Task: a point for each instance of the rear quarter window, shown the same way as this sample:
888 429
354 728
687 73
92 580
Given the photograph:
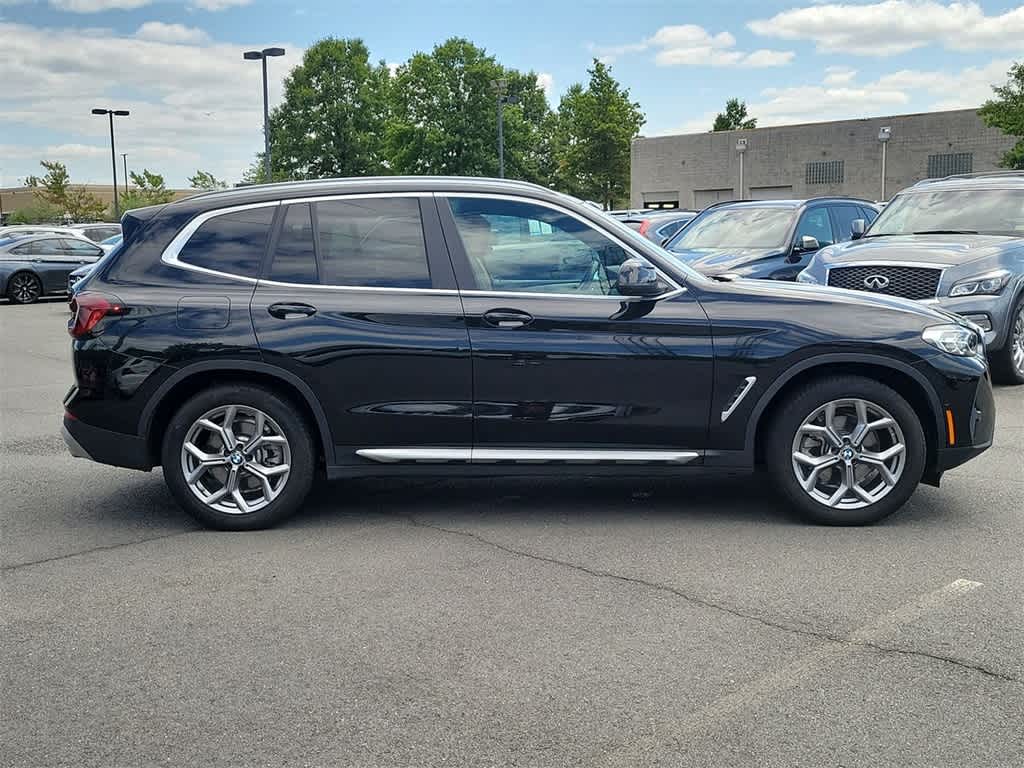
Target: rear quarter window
231 242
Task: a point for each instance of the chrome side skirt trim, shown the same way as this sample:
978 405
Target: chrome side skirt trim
751 381
520 456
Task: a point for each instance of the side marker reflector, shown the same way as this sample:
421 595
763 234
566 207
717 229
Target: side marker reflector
950 427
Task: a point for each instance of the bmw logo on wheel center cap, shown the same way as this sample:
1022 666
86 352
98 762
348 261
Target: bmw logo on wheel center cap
236 458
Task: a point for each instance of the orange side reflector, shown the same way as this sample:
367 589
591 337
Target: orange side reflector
950 428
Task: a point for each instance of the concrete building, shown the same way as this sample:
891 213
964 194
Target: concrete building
812 159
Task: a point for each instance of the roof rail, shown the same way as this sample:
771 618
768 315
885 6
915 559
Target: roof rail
976 175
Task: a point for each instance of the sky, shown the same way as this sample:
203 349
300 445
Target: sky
196 104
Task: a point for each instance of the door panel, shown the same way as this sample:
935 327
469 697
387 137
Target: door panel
560 361
391 365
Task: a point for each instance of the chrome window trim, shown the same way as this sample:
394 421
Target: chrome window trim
360 288
477 455
610 235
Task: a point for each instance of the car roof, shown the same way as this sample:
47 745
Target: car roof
370 184
791 204
986 180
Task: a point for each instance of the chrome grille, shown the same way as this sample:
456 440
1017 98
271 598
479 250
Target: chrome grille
908 282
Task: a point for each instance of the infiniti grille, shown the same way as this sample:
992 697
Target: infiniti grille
908 282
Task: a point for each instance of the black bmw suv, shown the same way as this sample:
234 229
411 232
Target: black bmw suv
249 340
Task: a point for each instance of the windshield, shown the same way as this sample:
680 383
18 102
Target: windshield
986 211
632 236
736 228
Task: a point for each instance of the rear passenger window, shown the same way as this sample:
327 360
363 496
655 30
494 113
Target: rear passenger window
372 242
232 242
294 257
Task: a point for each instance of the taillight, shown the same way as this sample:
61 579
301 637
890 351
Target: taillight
644 226
88 308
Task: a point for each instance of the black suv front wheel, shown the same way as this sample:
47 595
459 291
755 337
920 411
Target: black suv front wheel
846 450
238 458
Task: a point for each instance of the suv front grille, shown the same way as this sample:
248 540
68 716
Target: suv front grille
908 282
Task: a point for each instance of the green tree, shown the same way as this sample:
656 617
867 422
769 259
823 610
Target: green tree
59 198
1006 112
591 138
148 189
206 181
331 120
734 118
444 116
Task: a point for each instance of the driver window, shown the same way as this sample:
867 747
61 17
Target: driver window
524 247
816 224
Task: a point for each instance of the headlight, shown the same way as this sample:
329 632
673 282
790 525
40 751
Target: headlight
989 284
957 340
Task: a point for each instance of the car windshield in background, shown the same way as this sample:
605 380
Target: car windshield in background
985 212
736 228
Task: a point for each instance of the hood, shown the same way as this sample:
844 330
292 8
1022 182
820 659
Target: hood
946 250
715 261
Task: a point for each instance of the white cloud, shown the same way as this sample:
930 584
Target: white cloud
692 45
96 6
160 32
546 81
839 96
839 75
193 102
896 26
393 67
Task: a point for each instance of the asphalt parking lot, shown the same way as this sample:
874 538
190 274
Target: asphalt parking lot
487 623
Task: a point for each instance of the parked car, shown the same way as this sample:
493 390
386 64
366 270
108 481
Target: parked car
957 242
76 276
246 340
659 226
772 239
94 232
32 266
626 213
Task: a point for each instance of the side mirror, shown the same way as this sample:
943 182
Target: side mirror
857 227
638 278
808 244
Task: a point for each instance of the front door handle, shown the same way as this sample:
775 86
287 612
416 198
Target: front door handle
291 311
507 318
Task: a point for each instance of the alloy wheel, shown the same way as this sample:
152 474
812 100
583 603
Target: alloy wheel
1017 342
235 459
24 288
849 453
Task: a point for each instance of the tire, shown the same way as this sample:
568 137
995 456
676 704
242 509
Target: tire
1008 362
793 432
24 288
269 494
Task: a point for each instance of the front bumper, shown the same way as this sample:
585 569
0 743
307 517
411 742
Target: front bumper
88 442
973 416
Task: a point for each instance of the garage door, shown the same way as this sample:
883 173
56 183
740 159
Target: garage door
771 193
702 198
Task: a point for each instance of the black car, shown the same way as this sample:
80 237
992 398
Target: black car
767 239
250 339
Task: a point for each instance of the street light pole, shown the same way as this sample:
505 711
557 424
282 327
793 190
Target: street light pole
124 156
741 148
884 134
263 56
499 87
113 152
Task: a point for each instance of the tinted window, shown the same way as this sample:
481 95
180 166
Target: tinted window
294 257
869 214
845 216
816 224
986 211
513 246
374 242
98 234
231 242
48 247
78 248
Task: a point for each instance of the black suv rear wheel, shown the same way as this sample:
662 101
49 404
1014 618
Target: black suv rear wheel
238 458
846 450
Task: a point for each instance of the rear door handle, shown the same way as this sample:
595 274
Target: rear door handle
291 311
508 318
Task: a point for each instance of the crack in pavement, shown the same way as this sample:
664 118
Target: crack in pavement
103 548
703 602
